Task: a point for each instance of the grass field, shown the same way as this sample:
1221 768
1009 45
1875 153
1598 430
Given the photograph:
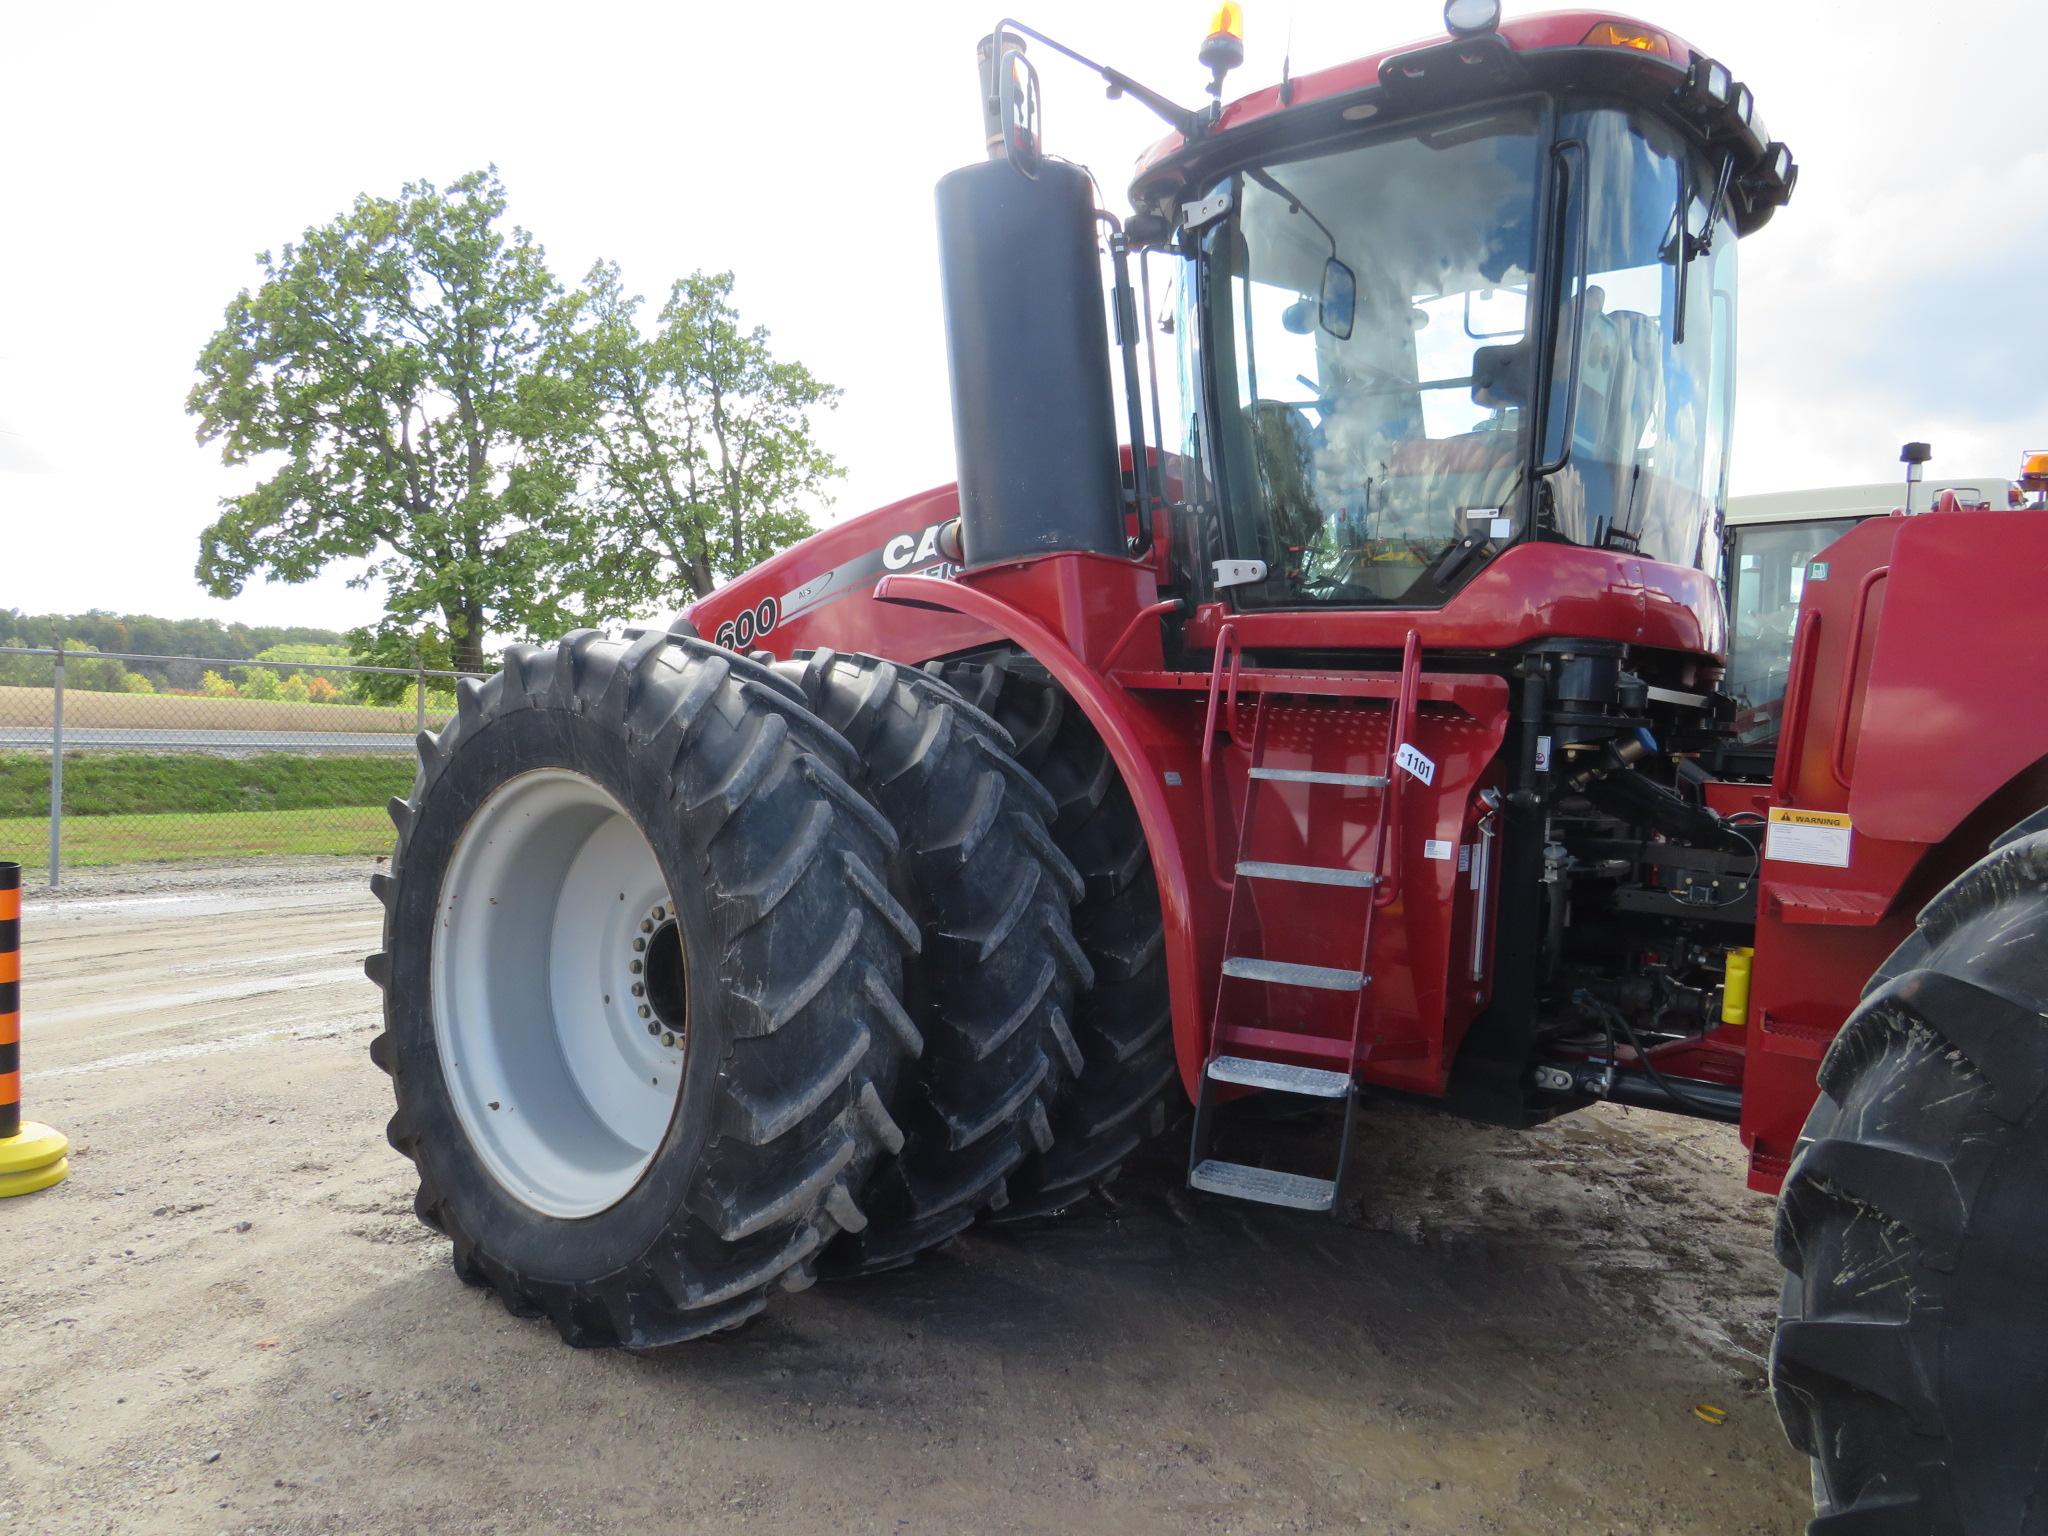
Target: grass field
94 840
162 783
140 807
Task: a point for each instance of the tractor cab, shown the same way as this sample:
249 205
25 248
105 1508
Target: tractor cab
1456 299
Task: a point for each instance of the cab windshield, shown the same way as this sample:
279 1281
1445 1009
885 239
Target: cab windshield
1388 412
1367 326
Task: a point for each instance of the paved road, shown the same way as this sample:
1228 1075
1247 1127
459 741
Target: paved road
220 743
230 1320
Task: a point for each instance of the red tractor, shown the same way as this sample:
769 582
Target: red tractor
1331 709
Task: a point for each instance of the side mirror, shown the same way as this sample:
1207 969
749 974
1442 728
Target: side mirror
1338 305
1491 313
1017 106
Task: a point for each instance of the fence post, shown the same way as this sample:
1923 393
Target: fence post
419 712
57 766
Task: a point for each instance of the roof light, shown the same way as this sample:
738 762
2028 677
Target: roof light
2034 469
1467 18
1710 83
1626 34
1223 49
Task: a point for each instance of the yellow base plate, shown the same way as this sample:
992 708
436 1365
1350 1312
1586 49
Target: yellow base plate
32 1160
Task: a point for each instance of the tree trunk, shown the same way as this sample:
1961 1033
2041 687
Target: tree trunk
466 636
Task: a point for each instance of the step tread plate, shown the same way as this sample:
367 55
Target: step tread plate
1280 1076
1306 874
1268 1186
1319 776
1289 974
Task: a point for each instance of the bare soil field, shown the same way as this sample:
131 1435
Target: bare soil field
185 712
228 1320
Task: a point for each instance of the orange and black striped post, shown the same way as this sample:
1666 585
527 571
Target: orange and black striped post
31 1155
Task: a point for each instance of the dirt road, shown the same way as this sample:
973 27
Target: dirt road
229 1321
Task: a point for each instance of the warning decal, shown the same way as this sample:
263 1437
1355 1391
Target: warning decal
1808 837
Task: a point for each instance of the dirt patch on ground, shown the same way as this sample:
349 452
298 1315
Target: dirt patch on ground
179 712
228 1320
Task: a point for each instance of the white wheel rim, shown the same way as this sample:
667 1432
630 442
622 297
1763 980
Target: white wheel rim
564 1091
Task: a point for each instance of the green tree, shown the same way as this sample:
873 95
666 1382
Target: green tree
698 460
214 686
389 375
260 683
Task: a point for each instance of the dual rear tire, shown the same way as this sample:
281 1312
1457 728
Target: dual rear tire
704 976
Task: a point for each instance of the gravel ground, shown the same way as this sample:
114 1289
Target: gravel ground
228 1320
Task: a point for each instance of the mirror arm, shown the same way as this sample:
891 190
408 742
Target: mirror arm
1183 121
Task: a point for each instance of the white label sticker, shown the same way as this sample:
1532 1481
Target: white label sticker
1172 779
1543 754
1411 759
1501 527
1436 848
1464 857
1808 837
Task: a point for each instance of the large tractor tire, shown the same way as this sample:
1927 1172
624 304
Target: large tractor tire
993 987
1128 1082
641 972
1911 1361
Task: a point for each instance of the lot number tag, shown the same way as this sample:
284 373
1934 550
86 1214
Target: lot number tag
1412 760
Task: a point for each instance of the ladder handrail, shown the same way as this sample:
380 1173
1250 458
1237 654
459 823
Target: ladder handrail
1244 837
1226 644
1400 722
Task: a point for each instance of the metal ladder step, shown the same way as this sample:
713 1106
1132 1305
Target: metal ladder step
1307 874
1281 1076
1317 776
1287 974
1268 1186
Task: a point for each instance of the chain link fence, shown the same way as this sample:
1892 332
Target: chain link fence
113 758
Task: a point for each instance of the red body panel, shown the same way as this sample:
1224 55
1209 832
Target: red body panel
1530 592
1918 709
820 592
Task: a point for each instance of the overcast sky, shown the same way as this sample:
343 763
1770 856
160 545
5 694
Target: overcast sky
150 151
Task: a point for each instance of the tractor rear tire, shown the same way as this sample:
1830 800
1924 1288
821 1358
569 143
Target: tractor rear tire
625 861
993 987
1911 1361
1129 1082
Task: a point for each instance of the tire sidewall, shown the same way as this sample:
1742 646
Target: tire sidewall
544 1247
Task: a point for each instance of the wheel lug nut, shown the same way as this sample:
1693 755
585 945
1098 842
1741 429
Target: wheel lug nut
653 1028
646 1012
638 990
639 944
660 913
668 1039
634 967
647 925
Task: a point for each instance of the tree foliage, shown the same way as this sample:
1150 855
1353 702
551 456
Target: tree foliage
697 460
389 377
507 458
